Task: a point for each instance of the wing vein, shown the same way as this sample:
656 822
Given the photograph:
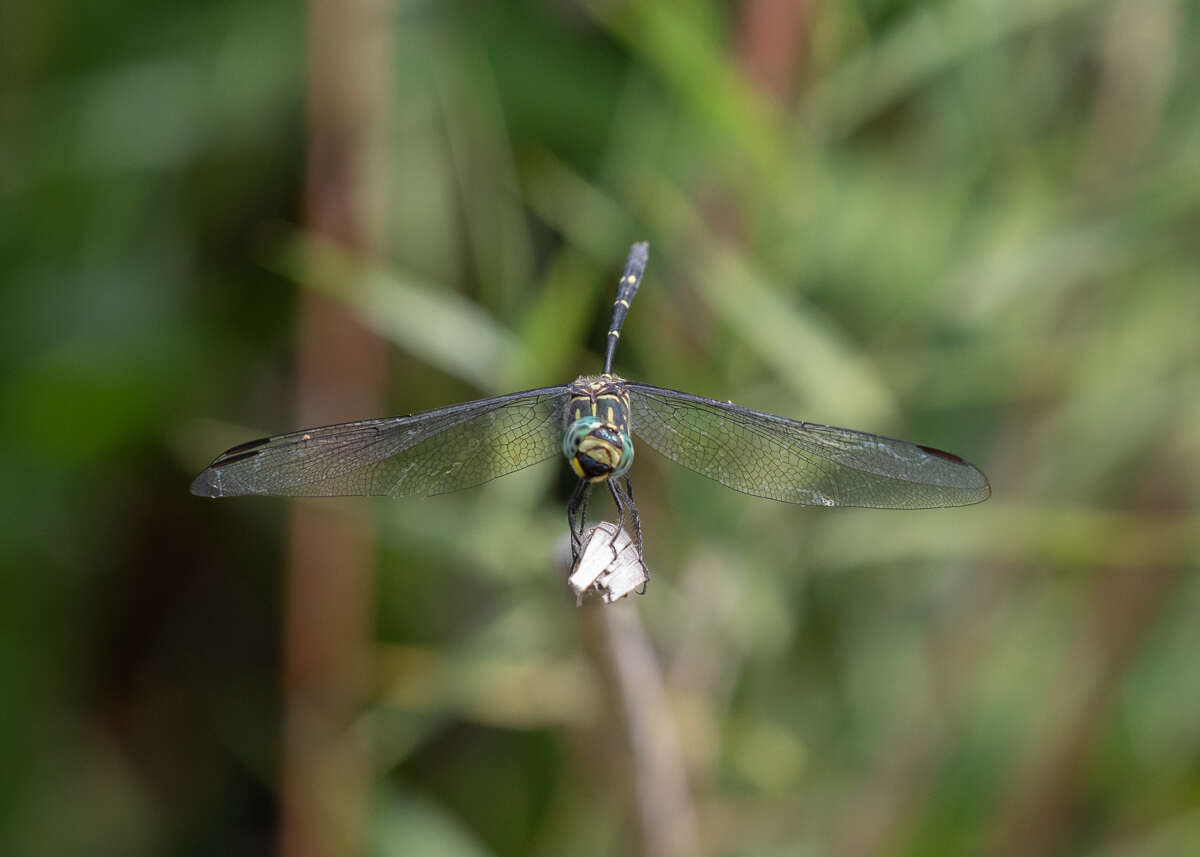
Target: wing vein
799 462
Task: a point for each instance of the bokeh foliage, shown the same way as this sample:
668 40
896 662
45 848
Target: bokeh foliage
972 224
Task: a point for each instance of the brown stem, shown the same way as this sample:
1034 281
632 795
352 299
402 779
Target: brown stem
340 376
773 43
618 644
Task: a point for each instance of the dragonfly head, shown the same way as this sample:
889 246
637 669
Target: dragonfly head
596 450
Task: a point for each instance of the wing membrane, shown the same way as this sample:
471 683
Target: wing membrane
428 453
799 462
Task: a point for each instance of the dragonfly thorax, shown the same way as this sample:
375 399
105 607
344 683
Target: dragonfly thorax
597 450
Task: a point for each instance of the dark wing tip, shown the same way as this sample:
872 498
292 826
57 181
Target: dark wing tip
941 453
209 483
245 447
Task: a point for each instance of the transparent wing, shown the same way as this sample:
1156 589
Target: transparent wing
799 462
429 453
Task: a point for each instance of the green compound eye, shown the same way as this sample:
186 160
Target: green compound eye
577 431
626 456
597 450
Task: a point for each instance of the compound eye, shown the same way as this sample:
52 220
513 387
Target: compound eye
626 460
575 434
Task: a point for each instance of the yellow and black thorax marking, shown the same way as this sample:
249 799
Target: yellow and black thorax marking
602 396
596 441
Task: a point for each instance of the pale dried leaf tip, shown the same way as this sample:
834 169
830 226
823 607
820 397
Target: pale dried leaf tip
608 567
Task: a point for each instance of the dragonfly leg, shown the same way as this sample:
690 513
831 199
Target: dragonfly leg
622 495
637 533
637 521
614 488
577 517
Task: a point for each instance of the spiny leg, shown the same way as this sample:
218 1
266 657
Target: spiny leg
623 496
637 521
614 488
637 534
577 517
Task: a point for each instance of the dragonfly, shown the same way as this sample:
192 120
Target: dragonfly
591 422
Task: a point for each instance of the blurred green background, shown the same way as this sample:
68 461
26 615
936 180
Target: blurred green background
971 224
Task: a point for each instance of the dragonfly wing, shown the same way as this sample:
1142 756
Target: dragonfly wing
428 453
799 462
